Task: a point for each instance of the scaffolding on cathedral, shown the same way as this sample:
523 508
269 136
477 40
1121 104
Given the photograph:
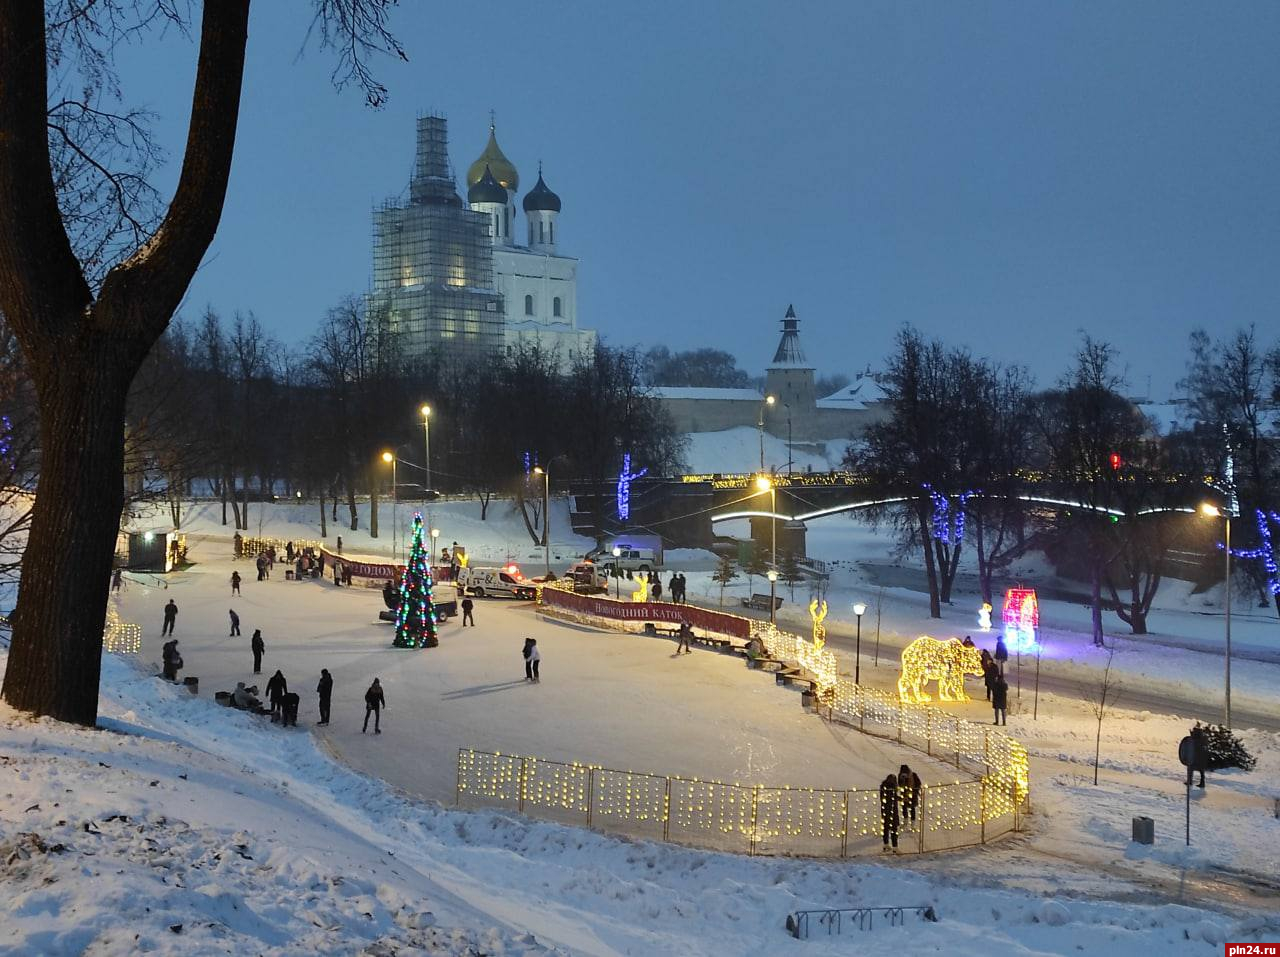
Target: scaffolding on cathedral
433 278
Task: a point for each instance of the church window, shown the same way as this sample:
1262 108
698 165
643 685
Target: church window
530 232
528 305
555 306
542 231
551 227
497 227
508 212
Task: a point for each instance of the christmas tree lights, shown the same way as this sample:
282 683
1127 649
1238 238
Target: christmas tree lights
416 615
625 478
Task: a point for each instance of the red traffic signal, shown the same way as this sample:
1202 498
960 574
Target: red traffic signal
1116 462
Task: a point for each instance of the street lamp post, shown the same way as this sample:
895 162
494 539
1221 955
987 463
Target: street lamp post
435 533
426 444
546 514
768 400
1214 512
617 577
859 609
788 408
763 483
390 457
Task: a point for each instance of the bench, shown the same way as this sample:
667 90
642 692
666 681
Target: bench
761 602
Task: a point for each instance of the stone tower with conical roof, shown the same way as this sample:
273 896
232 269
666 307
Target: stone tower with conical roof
789 378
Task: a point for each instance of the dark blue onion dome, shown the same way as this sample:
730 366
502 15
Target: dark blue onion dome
541 198
487 190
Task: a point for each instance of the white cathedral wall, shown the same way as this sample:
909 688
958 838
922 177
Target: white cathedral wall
521 273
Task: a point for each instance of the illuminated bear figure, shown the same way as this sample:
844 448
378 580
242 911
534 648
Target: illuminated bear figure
947 662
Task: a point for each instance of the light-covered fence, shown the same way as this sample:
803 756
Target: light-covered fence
748 819
769 820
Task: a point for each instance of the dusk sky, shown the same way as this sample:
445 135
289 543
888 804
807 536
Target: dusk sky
1002 175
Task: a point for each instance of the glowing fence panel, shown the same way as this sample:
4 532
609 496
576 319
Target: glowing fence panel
487 778
806 821
629 803
711 814
555 790
951 815
863 823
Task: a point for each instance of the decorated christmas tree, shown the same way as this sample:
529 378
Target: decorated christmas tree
416 615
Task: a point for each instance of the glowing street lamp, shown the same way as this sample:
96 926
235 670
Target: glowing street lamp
768 400
1210 510
390 458
435 533
426 442
617 573
546 514
764 485
859 609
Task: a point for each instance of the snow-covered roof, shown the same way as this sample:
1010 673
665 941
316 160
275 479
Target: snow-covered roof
699 392
858 394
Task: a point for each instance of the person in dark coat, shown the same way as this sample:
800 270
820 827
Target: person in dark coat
172 660
889 819
673 588
1200 743
909 790
346 574
261 563
288 552
277 688
116 578
325 690
235 583
235 622
528 664
990 675
258 646
170 618
339 544
289 710
1002 653
374 702
684 589
1000 700
682 637
468 608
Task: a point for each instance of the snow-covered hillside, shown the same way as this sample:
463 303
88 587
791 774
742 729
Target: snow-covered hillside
186 828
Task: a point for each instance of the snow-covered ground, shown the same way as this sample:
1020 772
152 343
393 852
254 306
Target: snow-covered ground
738 450
621 701
187 828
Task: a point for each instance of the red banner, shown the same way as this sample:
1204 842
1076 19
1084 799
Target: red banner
656 611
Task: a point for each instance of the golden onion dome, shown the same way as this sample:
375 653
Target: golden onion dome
501 167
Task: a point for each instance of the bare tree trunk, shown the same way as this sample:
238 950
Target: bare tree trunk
324 531
55 659
1096 602
373 510
484 503
931 569
222 493
351 503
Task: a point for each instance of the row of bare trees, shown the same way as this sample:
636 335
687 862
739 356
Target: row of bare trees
1077 470
222 408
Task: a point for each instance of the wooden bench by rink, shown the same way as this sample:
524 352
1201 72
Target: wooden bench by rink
761 602
673 631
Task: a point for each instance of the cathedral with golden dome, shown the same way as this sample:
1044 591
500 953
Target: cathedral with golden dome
466 280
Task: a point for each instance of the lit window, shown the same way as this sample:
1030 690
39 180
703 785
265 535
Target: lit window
555 306
528 305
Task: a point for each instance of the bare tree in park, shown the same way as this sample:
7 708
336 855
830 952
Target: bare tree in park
86 314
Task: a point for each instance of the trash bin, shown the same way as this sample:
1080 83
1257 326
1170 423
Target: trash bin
192 684
1144 830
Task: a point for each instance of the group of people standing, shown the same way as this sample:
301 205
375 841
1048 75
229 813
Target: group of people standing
993 678
899 801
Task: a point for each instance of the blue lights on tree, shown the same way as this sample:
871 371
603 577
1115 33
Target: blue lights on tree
947 521
625 478
1266 550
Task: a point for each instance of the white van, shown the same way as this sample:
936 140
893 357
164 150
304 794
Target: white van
588 577
506 581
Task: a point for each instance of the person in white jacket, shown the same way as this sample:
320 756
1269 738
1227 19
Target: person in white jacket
532 658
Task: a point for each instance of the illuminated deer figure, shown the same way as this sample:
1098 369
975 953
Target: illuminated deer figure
642 590
819 614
